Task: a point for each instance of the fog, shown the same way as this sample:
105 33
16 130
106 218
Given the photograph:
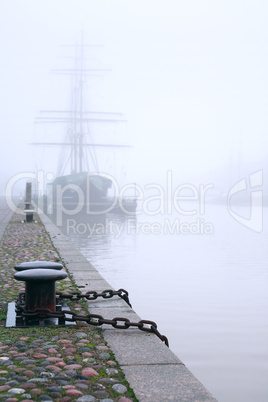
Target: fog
189 77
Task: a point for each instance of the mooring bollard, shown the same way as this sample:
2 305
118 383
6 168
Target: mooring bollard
37 265
28 199
40 288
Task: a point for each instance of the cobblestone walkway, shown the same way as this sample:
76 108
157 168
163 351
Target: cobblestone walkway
71 363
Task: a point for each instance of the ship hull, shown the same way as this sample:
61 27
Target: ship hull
88 193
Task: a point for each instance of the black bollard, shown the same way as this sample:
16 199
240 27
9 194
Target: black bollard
40 289
38 264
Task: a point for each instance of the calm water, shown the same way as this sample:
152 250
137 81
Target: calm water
206 291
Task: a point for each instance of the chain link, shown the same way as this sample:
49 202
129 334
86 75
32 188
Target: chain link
91 319
93 295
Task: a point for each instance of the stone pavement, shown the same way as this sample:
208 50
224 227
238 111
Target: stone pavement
50 363
59 364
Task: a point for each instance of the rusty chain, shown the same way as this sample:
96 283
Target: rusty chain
93 295
91 319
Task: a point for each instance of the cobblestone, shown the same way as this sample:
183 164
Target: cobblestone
50 363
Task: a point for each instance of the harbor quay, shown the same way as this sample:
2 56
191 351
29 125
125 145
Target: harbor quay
79 362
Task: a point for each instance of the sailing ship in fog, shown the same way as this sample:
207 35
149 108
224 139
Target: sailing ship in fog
79 183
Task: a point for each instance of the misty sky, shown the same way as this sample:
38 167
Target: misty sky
190 77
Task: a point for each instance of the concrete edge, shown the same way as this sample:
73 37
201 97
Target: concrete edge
152 370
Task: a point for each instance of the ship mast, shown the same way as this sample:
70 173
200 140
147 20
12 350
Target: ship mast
78 118
81 109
